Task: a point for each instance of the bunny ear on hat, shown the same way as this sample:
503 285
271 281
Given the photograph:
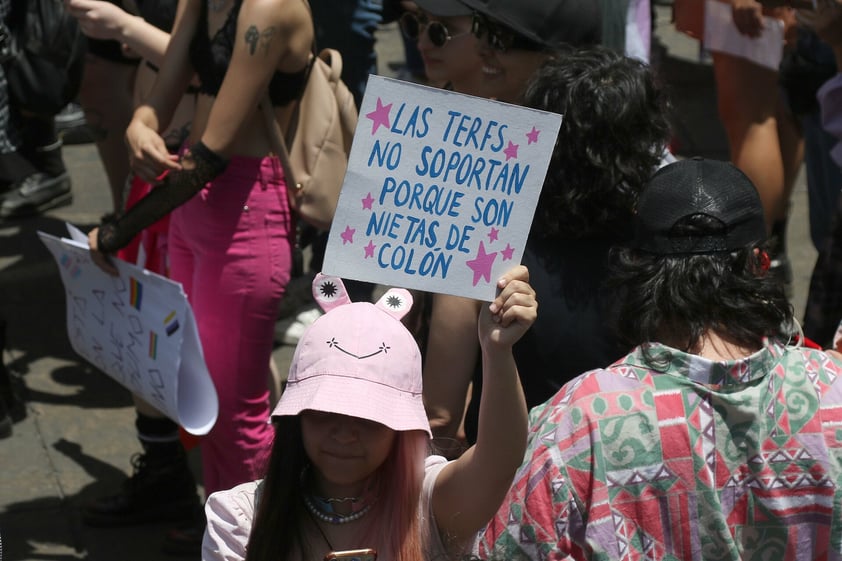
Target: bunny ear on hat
329 292
396 302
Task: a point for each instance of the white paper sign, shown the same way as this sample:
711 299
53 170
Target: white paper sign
139 329
721 35
440 189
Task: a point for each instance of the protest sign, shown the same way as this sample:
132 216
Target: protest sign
440 190
139 329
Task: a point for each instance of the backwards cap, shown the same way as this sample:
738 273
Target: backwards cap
698 186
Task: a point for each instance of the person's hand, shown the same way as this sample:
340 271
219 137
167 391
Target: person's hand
148 154
98 19
748 17
512 313
100 259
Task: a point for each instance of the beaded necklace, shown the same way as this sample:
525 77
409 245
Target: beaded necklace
322 507
333 517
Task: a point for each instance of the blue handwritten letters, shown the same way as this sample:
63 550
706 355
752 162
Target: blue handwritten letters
440 189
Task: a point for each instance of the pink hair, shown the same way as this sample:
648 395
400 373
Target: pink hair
395 521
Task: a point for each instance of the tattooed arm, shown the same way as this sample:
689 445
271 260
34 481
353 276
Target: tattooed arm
271 35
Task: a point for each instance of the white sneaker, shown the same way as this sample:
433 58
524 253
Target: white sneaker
290 330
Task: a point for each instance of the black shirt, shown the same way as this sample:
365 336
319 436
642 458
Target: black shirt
573 332
210 58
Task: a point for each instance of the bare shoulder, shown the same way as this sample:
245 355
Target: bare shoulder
285 23
287 15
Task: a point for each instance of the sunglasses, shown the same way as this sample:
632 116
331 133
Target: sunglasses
500 37
413 25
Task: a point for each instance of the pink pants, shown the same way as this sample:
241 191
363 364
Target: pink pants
230 246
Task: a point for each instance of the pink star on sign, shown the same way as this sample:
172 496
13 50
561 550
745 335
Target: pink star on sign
367 202
507 253
348 235
481 264
369 249
532 136
379 116
492 235
511 151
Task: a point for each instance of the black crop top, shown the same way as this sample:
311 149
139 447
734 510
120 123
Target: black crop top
210 58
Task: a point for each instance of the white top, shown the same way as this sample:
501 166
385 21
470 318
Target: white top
230 514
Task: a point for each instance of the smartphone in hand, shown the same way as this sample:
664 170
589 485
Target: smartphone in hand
352 555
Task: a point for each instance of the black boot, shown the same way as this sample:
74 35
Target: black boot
162 488
14 168
48 188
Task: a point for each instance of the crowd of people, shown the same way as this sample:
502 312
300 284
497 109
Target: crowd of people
639 386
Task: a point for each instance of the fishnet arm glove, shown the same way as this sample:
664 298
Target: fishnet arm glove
177 188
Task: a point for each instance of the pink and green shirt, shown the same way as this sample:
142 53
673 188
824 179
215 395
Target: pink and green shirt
689 459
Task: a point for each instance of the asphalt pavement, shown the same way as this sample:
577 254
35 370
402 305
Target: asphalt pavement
78 435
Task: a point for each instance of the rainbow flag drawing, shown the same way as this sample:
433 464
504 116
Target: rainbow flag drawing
171 323
153 345
136 293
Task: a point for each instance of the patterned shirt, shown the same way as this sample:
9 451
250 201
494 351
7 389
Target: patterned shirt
689 459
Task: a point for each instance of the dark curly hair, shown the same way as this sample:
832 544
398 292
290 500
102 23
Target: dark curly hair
612 137
681 297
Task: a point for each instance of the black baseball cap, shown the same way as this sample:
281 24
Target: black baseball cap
444 8
552 23
698 186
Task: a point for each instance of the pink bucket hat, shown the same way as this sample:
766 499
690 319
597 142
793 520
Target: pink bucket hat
357 360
